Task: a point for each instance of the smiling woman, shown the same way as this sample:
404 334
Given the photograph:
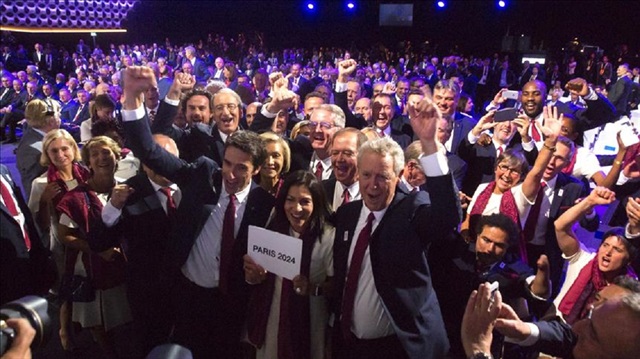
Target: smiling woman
288 318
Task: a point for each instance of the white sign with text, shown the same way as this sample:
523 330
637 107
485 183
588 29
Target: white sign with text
275 252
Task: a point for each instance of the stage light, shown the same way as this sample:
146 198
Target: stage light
441 4
502 3
311 6
351 5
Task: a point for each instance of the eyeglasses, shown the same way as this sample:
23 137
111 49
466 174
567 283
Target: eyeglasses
505 168
325 125
230 106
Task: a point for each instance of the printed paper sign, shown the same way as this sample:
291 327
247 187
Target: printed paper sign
275 252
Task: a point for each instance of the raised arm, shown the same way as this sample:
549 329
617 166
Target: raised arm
551 131
167 110
567 239
611 178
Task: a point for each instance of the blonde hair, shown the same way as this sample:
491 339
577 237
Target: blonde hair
270 137
38 113
52 136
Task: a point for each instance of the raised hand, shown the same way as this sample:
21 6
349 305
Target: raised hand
552 122
601 195
136 81
389 88
485 123
498 99
424 120
345 69
119 195
478 321
275 76
522 126
577 86
633 213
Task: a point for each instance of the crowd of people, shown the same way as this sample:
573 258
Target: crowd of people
413 181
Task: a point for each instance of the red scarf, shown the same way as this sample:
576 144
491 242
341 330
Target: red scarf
83 206
508 207
581 294
80 174
294 332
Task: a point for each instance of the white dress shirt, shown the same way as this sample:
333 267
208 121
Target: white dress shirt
338 194
326 165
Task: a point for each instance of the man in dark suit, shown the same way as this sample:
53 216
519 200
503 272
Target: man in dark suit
38 57
199 109
344 187
199 67
82 111
384 304
446 95
384 112
342 94
69 107
621 90
140 217
205 258
15 113
41 119
296 81
25 268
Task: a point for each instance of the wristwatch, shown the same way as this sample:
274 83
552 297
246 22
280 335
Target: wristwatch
481 355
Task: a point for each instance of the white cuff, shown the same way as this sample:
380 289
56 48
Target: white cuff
490 107
341 86
528 146
171 101
133 115
266 113
628 233
435 164
472 138
528 341
110 214
591 96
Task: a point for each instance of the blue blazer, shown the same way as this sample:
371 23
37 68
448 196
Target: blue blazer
398 249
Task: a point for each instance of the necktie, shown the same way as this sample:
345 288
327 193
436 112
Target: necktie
500 150
226 245
152 115
75 118
13 210
171 204
535 134
530 224
319 170
351 284
346 197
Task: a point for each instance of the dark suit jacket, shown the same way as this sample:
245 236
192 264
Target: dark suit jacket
619 94
556 338
7 96
199 70
351 120
28 158
401 138
462 124
68 111
200 182
330 189
199 140
398 249
22 272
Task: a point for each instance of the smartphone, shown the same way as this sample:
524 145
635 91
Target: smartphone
571 86
511 95
506 114
493 288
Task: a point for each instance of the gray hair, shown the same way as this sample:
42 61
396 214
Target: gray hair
337 115
228 91
384 147
632 301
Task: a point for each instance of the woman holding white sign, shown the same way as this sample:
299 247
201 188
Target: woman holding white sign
288 319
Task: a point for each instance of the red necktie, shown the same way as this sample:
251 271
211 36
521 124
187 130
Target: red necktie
535 134
346 197
319 170
226 245
534 213
171 204
351 284
500 150
13 210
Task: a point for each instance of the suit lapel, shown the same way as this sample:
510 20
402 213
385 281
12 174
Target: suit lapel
557 197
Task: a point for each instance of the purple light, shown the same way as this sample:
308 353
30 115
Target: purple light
502 3
441 4
350 5
310 6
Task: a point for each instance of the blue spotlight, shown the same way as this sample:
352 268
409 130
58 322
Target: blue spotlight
311 6
441 4
351 5
502 3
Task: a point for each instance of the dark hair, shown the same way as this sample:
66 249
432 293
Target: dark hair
619 232
110 128
100 102
501 221
249 143
190 94
321 207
